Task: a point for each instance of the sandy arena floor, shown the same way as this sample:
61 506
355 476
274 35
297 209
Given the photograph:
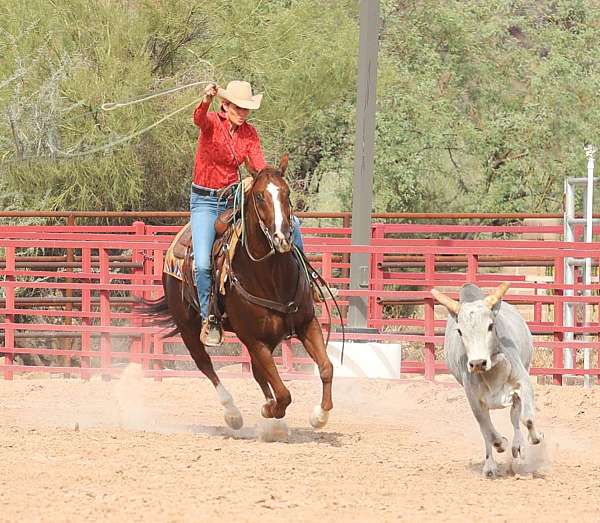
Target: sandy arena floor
139 450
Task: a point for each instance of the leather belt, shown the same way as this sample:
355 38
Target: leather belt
205 191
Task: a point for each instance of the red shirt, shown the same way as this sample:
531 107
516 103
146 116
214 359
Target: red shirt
215 166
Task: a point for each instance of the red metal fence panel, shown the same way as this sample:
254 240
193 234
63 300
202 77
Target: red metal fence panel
67 294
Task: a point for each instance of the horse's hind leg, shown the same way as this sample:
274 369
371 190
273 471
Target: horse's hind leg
232 415
188 324
312 339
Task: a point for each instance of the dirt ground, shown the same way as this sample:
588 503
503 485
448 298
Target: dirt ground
140 450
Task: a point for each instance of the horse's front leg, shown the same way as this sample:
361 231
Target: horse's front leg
312 339
266 370
267 408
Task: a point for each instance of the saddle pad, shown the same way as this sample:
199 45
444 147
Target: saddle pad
233 241
173 265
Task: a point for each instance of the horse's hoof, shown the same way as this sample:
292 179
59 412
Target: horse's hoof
318 417
234 419
267 409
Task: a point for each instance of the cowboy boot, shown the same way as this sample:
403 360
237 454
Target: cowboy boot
211 334
316 293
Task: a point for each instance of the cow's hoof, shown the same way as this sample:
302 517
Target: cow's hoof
516 452
318 417
501 444
490 469
536 439
233 418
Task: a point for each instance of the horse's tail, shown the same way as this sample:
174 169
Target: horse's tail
157 314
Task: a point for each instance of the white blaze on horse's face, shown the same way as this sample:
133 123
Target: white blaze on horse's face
475 325
282 234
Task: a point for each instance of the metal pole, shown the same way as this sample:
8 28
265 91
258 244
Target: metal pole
568 309
590 152
362 186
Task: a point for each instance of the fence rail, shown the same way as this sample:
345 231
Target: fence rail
66 293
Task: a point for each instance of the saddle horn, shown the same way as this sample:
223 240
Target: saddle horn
452 305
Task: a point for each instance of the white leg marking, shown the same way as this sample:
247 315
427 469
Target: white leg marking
224 397
319 417
233 417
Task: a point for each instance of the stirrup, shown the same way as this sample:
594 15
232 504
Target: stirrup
211 334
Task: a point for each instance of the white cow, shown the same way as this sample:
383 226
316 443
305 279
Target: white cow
488 350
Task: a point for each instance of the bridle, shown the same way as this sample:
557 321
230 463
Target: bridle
265 231
288 308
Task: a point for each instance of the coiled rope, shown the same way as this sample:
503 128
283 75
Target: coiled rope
111 106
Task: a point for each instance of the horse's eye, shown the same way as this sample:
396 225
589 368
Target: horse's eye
260 197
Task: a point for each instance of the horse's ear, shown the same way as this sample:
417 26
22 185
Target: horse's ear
253 172
283 163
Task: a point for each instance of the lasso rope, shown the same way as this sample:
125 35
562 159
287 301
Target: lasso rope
110 145
110 106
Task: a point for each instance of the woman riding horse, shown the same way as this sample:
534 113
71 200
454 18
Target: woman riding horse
267 297
225 141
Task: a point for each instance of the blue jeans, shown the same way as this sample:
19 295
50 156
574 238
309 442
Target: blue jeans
296 234
204 211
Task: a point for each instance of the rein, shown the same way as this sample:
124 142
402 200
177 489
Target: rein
265 231
320 283
284 308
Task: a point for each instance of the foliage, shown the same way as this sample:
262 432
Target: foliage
482 106
494 102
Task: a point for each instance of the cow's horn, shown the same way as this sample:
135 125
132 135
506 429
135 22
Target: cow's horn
450 304
496 296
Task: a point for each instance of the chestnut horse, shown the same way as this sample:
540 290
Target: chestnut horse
268 296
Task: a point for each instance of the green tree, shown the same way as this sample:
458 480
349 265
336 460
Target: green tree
65 59
482 106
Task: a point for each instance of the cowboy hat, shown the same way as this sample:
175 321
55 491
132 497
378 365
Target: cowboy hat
240 93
